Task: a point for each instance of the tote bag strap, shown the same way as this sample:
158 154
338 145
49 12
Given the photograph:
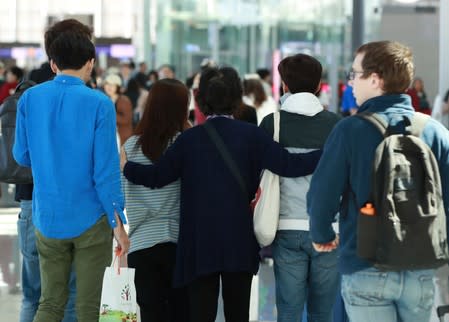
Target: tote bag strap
277 121
224 152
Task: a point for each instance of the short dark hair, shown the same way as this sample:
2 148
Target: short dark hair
392 61
17 71
41 74
263 72
301 73
219 91
65 25
71 50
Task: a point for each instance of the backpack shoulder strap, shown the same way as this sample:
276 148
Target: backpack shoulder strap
376 120
418 123
23 86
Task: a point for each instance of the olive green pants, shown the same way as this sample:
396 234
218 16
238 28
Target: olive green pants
89 254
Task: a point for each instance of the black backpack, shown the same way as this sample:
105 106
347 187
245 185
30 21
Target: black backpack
10 171
403 226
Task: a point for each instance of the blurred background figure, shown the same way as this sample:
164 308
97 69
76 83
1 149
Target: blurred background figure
254 95
13 77
265 77
348 104
2 73
419 97
123 107
166 71
142 75
324 94
137 94
153 76
446 102
126 71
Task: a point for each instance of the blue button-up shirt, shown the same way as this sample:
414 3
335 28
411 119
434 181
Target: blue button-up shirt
66 133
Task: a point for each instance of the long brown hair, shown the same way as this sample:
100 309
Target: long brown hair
165 115
254 87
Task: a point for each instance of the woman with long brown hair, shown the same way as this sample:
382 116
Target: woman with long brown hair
154 214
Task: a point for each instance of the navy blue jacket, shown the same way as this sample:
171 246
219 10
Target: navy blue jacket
216 227
347 164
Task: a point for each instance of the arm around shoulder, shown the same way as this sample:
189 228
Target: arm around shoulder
159 174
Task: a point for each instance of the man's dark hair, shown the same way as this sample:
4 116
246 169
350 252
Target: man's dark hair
263 72
219 91
71 50
62 26
41 74
17 71
301 73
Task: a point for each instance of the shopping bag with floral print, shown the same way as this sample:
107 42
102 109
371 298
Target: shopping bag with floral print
118 296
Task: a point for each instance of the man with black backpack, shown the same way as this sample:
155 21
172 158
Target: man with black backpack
386 171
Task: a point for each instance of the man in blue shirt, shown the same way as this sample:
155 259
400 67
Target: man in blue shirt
31 280
66 133
381 73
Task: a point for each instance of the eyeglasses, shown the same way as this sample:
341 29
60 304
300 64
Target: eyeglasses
351 74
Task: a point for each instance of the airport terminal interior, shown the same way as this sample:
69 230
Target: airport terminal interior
246 34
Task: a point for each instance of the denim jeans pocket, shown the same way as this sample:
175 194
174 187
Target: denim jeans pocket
27 239
327 260
364 287
427 291
286 248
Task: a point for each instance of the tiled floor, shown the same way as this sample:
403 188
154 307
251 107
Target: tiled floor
263 307
9 260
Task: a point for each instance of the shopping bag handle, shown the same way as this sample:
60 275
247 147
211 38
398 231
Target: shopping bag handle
116 255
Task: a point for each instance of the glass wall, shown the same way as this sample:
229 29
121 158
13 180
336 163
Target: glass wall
246 33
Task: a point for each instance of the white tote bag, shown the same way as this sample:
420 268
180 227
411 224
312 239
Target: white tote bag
266 203
118 296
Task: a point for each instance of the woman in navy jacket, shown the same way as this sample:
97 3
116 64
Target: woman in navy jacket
216 236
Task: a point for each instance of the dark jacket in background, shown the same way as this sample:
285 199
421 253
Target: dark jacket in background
40 75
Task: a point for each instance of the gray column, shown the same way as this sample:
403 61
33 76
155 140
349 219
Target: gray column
252 48
263 49
358 23
214 40
146 33
443 84
443 80
164 33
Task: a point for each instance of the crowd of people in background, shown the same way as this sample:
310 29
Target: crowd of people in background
132 84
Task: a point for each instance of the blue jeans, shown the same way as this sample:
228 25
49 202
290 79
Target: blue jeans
371 295
31 280
303 275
